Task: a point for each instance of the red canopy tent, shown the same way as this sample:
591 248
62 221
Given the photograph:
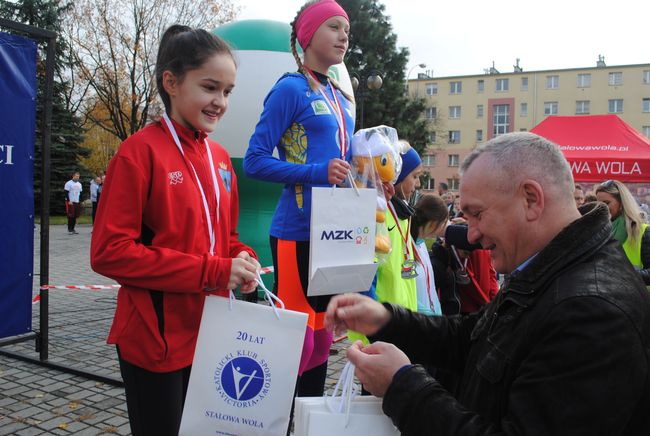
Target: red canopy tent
599 147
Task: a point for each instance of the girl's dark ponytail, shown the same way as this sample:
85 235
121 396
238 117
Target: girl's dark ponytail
429 207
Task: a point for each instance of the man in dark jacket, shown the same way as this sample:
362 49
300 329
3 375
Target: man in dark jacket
564 349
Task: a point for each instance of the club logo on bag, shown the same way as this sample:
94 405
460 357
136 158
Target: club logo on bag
241 379
359 237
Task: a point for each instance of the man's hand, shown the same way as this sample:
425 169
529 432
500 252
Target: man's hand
337 171
376 365
244 272
355 312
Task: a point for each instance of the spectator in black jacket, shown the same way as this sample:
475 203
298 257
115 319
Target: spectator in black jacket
564 349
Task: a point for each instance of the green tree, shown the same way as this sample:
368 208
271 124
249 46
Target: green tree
373 46
67 133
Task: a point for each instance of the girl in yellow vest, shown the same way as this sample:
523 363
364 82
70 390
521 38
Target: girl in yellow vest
395 281
628 226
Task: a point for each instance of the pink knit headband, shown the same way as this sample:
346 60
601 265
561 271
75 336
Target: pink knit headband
311 18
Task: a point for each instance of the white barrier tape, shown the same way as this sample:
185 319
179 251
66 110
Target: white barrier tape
265 270
85 287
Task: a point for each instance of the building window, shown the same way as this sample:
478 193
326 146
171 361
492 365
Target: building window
479 111
453 160
454 112
479 135
524 83
616 79
550 108
453 184
502 85
431 137
455 87
646 131
582 107
431 88
454 136
430 113
429 160
615 106
552 82
646 105
431 184
481 85
501 119
646 76
584 80
523 110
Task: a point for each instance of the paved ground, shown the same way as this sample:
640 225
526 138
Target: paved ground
39 401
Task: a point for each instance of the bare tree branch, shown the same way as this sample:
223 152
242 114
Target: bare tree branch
114 45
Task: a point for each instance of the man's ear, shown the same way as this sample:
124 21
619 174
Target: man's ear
170 83
533 197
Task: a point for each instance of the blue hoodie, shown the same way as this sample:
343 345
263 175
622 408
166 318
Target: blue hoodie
301 124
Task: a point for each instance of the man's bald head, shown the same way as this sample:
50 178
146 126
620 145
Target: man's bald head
517 195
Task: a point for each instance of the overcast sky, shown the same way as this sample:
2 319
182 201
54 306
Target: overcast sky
463 37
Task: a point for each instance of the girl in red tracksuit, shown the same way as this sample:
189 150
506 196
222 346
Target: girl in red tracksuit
166 229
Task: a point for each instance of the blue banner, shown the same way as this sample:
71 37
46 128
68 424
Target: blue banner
17 131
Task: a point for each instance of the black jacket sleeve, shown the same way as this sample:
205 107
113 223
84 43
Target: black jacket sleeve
564 384
440 341
645 257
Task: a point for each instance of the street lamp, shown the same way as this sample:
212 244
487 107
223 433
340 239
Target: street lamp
372 82
423 65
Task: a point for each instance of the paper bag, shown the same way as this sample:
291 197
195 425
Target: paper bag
342 240
244 370
313 418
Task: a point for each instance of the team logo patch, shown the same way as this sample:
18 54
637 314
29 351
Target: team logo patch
175 177
320 107
242 378
226 175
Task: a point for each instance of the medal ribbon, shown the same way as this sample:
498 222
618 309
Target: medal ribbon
335 107
408 230
416 253
177 141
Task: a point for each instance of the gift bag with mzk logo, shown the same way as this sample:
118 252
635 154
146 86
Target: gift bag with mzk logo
244 370
342 240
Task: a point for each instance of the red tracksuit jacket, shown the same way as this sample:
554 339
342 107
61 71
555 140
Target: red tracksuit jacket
151 236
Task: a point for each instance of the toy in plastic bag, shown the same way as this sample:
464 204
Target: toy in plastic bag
376 160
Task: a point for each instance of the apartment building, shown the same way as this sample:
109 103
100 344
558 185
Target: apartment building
466 110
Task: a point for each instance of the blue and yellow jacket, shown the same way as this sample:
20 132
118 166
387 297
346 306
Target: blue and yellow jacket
301 124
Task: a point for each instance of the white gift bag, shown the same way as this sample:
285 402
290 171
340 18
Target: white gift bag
347 415
342 240
244 371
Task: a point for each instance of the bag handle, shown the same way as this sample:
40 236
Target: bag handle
269 296
351 180
349 390
231 299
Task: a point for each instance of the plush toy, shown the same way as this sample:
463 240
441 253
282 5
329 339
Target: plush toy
376 160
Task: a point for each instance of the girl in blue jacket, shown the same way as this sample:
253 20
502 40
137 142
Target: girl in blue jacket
310 121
